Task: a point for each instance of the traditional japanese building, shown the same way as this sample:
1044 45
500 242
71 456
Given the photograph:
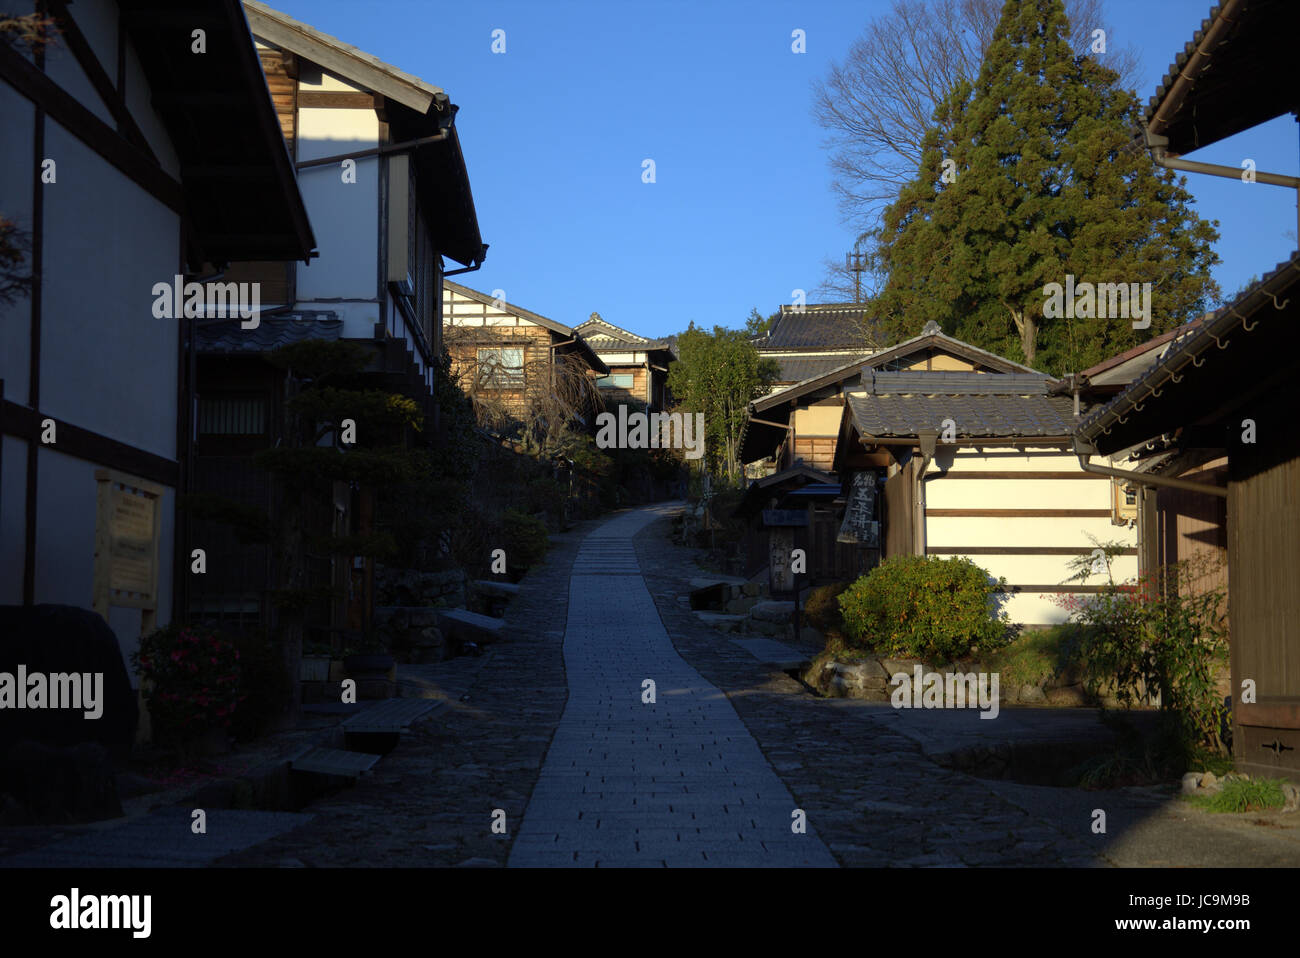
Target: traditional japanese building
1222 391
638 367
136 164
509 357
377 157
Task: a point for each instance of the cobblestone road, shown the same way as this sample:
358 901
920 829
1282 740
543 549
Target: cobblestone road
675 782
548 726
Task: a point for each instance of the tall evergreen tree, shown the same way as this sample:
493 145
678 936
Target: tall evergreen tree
1036 180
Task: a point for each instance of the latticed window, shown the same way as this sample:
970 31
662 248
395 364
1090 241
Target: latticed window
502 367
230 416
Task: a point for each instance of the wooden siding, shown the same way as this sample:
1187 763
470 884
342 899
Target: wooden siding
1188 524
618 394
276 65
899 493
816 451
1264 567
463 345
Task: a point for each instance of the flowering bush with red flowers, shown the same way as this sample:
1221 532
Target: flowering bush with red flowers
191 682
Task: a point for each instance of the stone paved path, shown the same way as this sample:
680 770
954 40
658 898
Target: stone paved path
679 782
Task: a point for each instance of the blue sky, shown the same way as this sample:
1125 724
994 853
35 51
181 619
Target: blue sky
555 131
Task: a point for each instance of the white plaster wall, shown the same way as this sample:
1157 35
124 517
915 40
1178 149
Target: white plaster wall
344 216
106 363
13 518
62 67
823 421
1030 608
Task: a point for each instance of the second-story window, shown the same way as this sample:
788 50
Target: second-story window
501 367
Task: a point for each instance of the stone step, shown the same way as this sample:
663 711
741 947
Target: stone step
334 761
773 653
773 611
162 839
393 716
723 621
462 624
492 587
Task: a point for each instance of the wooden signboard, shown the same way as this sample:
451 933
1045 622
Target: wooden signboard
784 518
780 544
859 526
128 525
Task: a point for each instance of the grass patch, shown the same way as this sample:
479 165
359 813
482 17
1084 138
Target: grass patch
1243 795
1032 657
1131 765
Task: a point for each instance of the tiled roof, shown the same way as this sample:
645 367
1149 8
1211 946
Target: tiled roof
979 404
272 332
819 326
795 369
1243 77
954 383
1263 302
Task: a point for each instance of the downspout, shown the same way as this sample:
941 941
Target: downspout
1144 479
1187 77
1159 153
377 150
928 439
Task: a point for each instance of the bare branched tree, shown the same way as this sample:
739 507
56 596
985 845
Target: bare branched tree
877 105
515 386
15 278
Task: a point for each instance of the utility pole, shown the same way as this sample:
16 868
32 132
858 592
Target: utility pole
856 262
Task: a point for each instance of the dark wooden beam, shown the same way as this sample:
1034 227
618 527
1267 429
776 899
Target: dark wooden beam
98 77
1059 589
24 422
1018 551
32 83
337 100
1000 474
1020 513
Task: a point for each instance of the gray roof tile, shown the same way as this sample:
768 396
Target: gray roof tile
979 404
272 332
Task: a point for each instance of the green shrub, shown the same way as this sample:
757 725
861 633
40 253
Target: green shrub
821 609
526 539
925 607
191 679
264 683
545 495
